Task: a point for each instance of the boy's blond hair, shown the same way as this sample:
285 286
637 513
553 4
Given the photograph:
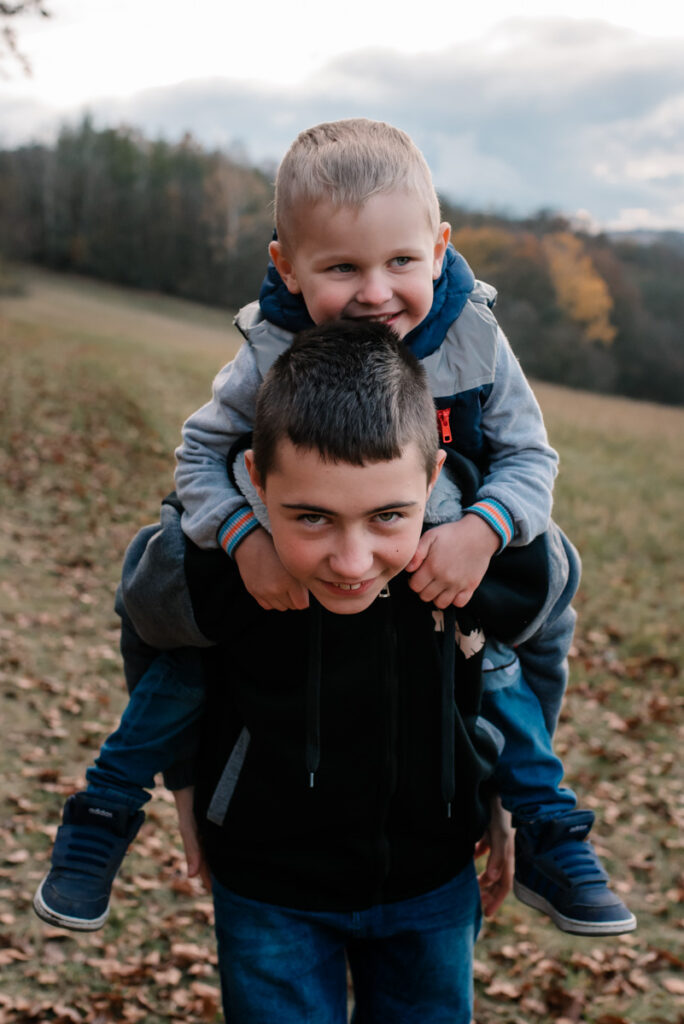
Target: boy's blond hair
346 162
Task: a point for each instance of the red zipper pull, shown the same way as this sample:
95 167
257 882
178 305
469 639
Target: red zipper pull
444 425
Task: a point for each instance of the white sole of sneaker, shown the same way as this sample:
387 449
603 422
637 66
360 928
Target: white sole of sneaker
570 924
74 924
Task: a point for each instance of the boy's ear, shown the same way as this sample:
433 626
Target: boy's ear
253 475
443 236
441 457
284 266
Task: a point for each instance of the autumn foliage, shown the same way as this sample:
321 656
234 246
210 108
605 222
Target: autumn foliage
591 312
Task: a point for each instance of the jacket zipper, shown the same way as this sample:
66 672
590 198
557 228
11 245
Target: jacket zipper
444 425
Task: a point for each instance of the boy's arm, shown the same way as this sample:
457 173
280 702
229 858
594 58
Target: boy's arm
497 878
512 505
187 825
215 513
522 465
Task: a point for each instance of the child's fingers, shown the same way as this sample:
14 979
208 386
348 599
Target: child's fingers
205 875
420 553
492 898
492 872
461 597
481 846
299 598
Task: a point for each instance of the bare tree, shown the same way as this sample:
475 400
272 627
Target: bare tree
8 36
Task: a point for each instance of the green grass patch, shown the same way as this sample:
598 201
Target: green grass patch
96 382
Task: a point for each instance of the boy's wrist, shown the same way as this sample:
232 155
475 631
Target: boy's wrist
498 519
235 528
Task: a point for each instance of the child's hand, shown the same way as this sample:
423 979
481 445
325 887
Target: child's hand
451 560
497 878
264 576
194 854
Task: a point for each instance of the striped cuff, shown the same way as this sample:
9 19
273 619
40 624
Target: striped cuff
236 528
497 516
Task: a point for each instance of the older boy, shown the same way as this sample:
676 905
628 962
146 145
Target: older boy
341 784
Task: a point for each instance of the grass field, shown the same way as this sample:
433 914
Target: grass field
96 381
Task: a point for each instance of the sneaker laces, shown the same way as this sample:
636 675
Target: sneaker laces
578 862
86 850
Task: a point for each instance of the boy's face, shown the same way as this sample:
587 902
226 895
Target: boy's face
376 262
342 530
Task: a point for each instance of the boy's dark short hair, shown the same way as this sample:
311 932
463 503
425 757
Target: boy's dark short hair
349 390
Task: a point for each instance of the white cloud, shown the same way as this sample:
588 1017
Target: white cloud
565 114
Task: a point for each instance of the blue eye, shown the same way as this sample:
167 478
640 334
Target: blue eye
402 261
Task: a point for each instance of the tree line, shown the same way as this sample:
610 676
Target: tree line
586 311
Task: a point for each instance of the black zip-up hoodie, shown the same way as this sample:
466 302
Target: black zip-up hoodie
378 710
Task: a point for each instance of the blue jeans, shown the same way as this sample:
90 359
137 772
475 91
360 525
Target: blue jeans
409 961
528 773
158 731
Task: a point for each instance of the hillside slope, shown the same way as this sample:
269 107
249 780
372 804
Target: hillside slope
95 384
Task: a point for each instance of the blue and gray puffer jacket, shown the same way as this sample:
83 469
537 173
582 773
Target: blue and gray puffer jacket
486 410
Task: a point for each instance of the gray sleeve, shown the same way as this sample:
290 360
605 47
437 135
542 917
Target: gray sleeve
202 482
153 589
522 466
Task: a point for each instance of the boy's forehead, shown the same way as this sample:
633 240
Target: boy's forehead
303 476
301 225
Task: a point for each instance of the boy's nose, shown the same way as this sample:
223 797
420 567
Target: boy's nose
374 290
351 560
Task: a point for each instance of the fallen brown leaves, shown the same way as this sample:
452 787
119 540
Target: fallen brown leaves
81 467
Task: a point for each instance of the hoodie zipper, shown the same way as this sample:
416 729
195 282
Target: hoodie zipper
390 698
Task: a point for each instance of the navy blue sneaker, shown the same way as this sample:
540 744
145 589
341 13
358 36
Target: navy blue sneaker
91 842
558 872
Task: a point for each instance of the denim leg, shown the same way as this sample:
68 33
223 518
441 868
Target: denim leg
544 661
137 655
137 659
414 961
410 961
528 773
159 722
279 965
544 655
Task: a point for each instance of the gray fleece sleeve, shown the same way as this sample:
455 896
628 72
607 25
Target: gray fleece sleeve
522 466
153 589
202 482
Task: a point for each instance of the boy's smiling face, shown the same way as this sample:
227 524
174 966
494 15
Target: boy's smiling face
375 262
343 530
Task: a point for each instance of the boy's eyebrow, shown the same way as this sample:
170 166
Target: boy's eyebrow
321 510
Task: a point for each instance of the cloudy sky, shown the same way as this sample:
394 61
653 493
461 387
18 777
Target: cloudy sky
517 106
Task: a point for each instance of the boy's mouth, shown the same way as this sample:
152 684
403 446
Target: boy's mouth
380 318
349 588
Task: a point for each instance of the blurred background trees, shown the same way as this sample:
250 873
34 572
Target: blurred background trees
596 312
